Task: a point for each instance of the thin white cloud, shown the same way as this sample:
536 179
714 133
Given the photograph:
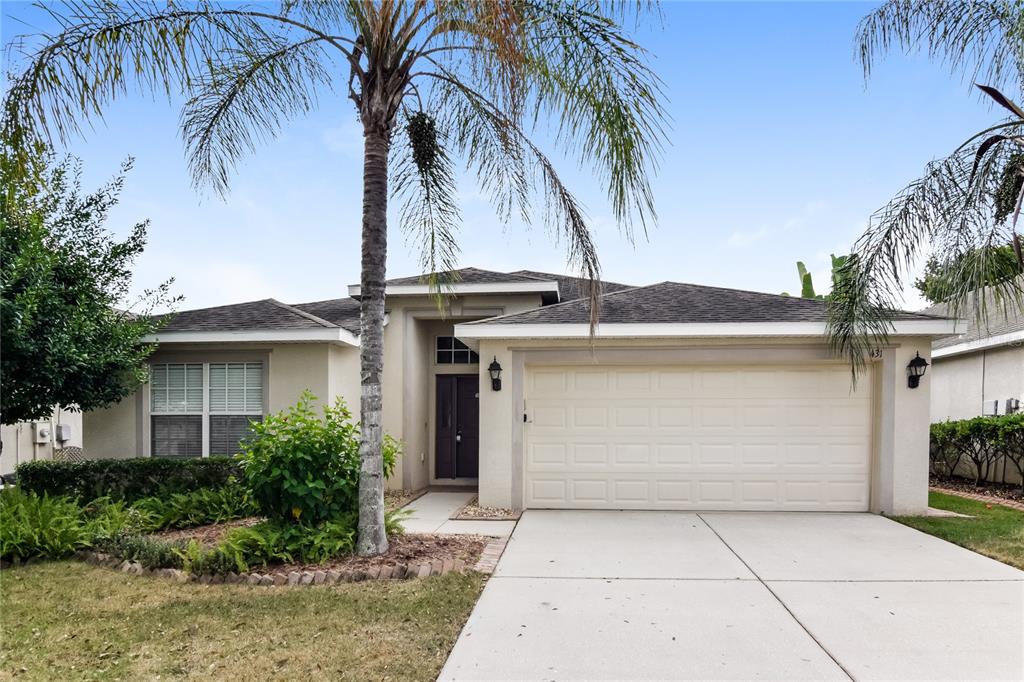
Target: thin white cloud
807 213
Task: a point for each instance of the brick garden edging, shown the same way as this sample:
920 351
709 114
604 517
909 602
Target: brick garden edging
286 578
989 499
488 560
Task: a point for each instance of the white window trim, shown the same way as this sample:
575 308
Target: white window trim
206 413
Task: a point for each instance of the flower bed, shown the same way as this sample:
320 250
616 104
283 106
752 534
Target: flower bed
408 557
1005 491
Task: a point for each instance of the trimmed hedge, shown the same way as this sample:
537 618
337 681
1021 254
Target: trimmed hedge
974 446
126 479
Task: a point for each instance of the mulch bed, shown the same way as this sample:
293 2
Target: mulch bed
410 549
208 535
1005 491
474 512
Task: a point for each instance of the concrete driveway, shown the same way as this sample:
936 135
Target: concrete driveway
674 595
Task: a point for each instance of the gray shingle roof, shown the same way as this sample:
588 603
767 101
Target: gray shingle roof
343 312
672 302
474 276
570 288
265 314
998 319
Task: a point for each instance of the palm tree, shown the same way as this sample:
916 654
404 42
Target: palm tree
965 206
432 81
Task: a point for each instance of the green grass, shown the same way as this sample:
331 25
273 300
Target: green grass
997 532
71 621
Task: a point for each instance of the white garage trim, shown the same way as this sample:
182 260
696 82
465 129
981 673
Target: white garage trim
730 436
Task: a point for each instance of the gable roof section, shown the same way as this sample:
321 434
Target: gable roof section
475 276
471 281
1000 326
571 288
264 320
343 312
675 309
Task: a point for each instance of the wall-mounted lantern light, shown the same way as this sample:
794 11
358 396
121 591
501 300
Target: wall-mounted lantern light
915 370
494 369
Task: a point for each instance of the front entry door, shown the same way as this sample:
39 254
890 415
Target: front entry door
457 446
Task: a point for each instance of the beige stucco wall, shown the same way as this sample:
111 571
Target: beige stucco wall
962 383
324 369
900 459
19 439
413 321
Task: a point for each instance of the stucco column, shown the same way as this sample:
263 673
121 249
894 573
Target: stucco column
900 471
499 427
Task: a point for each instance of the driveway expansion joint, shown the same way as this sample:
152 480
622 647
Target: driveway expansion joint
781 603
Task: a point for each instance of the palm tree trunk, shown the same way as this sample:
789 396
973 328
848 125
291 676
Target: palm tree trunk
372 538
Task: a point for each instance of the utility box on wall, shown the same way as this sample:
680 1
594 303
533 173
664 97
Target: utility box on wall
40 432
63 434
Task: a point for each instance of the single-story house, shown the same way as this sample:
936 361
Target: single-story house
686 397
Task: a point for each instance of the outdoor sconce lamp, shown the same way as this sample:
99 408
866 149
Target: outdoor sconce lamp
915 370
494 369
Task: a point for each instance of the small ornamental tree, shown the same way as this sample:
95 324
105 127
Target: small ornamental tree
65 337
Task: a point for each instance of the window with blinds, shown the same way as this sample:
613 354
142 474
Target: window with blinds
236 387
202 409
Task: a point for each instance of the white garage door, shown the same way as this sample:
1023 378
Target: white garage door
697 437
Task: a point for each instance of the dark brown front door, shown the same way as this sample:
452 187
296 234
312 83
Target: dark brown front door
457 446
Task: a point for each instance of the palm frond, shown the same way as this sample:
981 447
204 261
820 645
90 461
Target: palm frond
424 183
950 208
494 143
982 38
244 100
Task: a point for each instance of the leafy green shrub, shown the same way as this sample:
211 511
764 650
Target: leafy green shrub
976 445
40 526
150 552
303 467
199 507
126 479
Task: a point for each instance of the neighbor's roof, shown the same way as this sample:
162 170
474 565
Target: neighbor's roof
676 303
1002 323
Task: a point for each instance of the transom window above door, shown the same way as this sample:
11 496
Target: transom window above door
199 409
451 351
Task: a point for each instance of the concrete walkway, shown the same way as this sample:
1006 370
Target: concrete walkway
673 595
431 512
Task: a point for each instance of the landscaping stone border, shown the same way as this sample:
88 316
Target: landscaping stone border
489 557
978 497
288 578
457 515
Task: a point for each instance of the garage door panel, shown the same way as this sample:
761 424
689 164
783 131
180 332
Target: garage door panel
697 437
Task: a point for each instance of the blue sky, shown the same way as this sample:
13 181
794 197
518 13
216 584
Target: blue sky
779 151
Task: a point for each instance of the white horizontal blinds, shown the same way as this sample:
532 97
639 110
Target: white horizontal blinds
227 431
236 387
176 388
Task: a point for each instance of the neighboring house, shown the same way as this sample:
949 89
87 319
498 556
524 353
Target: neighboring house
29 441
980 371
685 397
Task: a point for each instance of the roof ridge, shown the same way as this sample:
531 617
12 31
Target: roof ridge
302 313
326 300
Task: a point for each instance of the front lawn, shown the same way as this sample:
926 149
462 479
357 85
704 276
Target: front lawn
994 531
67 620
